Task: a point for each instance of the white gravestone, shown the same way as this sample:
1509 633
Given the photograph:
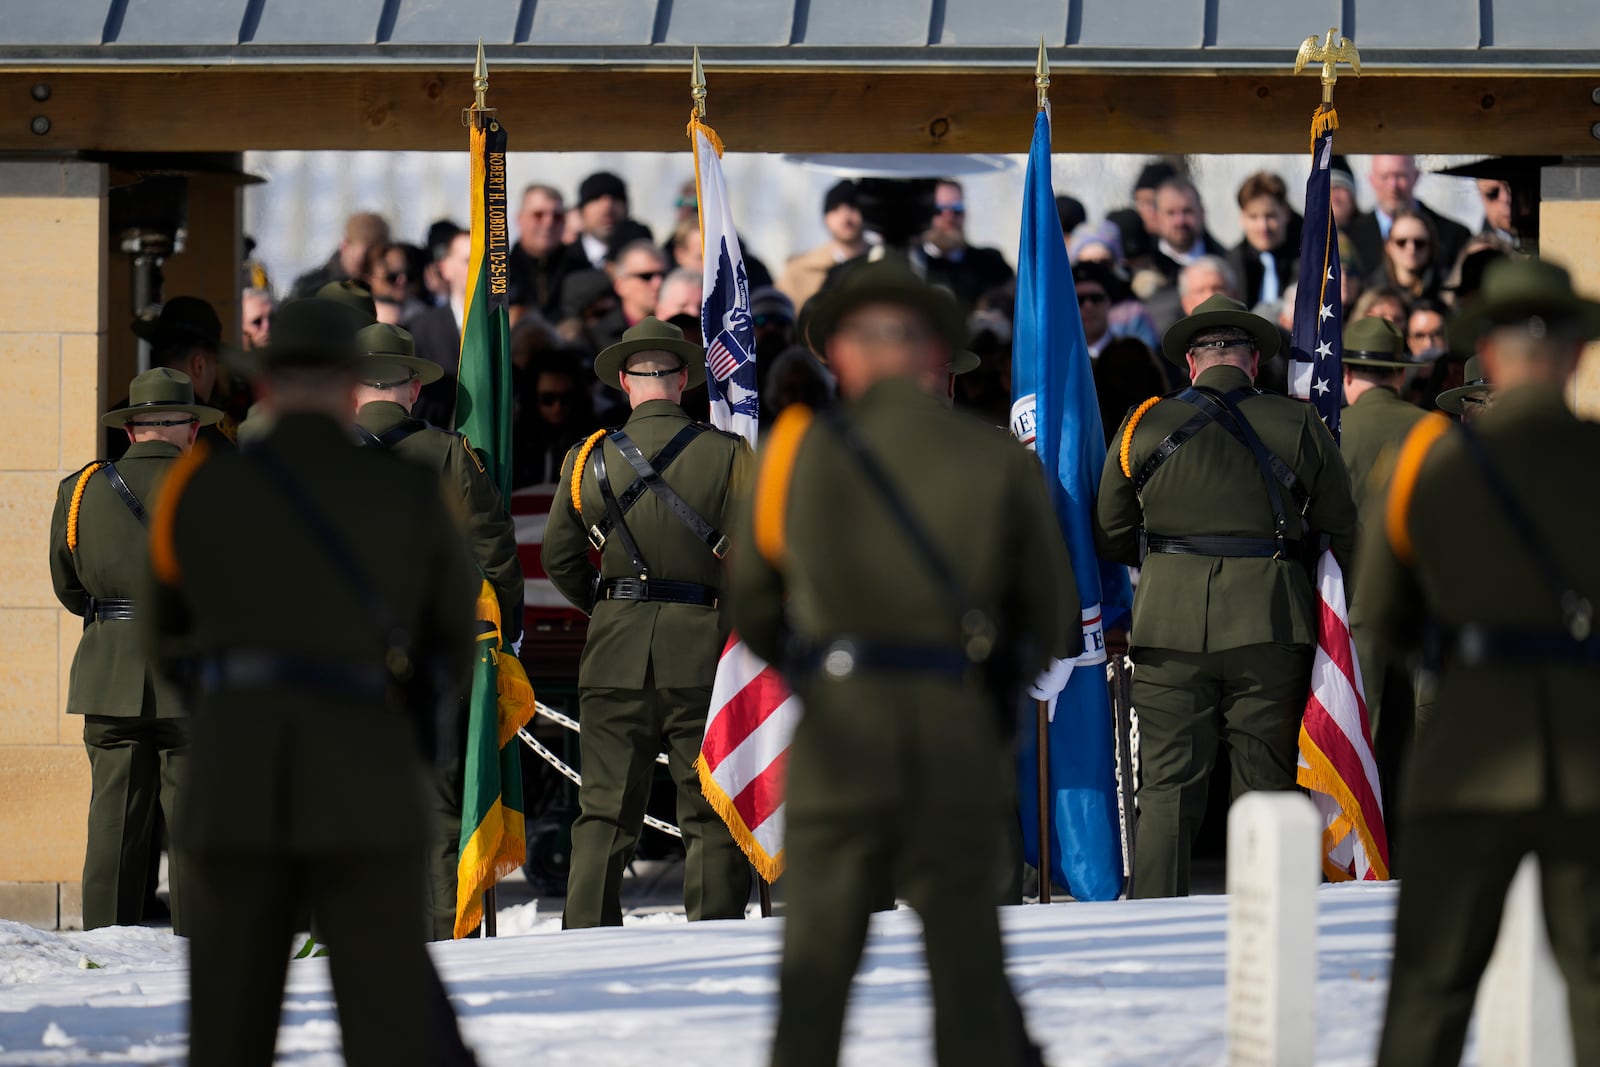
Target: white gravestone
1274 868
1522 1000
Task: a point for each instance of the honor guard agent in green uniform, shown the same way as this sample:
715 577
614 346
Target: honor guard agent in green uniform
391 376
654 497
1225 495
1472 397
133 727
1510 761
317 672
904 567
1373 426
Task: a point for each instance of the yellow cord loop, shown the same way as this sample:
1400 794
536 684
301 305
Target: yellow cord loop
1127 433
577 470
772 481
77 502
1403 484
163 557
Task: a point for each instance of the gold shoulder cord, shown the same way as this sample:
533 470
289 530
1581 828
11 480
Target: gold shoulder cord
163 558
772 481
1127 433
77 502
1403 484
577 470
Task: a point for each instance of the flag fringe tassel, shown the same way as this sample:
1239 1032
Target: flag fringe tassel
1319 776
769 867
482 864
514 695
1323 122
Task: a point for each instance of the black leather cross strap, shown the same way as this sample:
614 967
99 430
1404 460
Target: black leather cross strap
127 495
713 538
659 590
1577 613
1172 442
630 496
597 463
388 438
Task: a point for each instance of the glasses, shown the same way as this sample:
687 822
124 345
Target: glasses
685 203
957 208
1425 335
1493 193
647 275
1419 243
549 400
1093 299
395 277
554 213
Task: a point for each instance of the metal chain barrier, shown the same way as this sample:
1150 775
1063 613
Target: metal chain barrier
573 776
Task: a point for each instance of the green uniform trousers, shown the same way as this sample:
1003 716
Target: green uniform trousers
623 730
839 869
367 908
1458 868
444 855
1252 698
136 765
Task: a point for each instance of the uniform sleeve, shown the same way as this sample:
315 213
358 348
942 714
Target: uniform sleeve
1045 590
492 537
164 618
450 617
1388 600
1332 509
63 568
565 553
1118 515
755 586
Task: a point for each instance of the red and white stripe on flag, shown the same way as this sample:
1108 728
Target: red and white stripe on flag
1336 761
745 751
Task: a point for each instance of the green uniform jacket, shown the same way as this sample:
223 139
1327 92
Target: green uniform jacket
239 571
1370 432
1212 485
489 530
849 570
679 643
1497 728
110 674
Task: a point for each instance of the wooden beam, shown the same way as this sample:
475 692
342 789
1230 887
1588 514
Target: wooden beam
230 110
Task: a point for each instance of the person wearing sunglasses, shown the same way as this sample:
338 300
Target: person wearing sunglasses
965 270
1410 257
1394 184
637 272
540 261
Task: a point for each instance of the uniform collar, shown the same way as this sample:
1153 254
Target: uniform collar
892 392
653 408
1223 377
152 450
379 416
1382 394
1525 401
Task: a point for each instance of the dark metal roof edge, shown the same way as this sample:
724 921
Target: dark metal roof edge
795 57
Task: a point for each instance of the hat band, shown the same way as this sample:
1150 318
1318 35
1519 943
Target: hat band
162 404
656 373
1386 357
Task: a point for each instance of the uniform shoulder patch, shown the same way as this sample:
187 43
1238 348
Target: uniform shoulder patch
477 460
1403 483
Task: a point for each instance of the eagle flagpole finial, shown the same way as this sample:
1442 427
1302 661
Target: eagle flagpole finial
1330 54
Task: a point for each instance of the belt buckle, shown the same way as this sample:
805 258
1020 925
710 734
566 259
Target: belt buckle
597 540
720 549
839 660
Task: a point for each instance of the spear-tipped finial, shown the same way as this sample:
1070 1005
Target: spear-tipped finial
480 79
1330 54
697 86
1041 77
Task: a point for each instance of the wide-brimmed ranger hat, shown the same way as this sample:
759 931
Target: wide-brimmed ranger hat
389 354
651 335
1474 387
312 333
161 390
886 281
1216 313
1376 343
183 320
1529 293
351 294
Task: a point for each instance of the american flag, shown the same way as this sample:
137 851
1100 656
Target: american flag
555 629
753 715
1336 762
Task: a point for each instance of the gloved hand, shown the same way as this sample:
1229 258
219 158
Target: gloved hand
1051 681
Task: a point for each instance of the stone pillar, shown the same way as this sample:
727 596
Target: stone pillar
1569 234
54 250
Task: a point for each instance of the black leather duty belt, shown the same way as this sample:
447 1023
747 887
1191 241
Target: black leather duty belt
1474 646
846 656
273 670
1226 547
108 607
659 590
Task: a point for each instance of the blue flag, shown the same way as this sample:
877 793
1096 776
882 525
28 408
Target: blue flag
1316 369
1054 410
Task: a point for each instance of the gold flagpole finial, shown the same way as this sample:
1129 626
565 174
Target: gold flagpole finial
480 113
1041 78
1330 54
697 86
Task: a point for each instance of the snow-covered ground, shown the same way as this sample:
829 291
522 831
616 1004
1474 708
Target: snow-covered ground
1124 983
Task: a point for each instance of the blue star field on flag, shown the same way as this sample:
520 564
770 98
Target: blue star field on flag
1316 367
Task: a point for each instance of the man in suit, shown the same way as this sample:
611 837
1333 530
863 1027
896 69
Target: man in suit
186 336
968 271
391 377
133 723
539 261
1506 765
1181 234
1224 620
316 674
654 497
1394 182
906 640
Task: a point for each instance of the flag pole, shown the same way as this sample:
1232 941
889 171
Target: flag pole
1041 85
